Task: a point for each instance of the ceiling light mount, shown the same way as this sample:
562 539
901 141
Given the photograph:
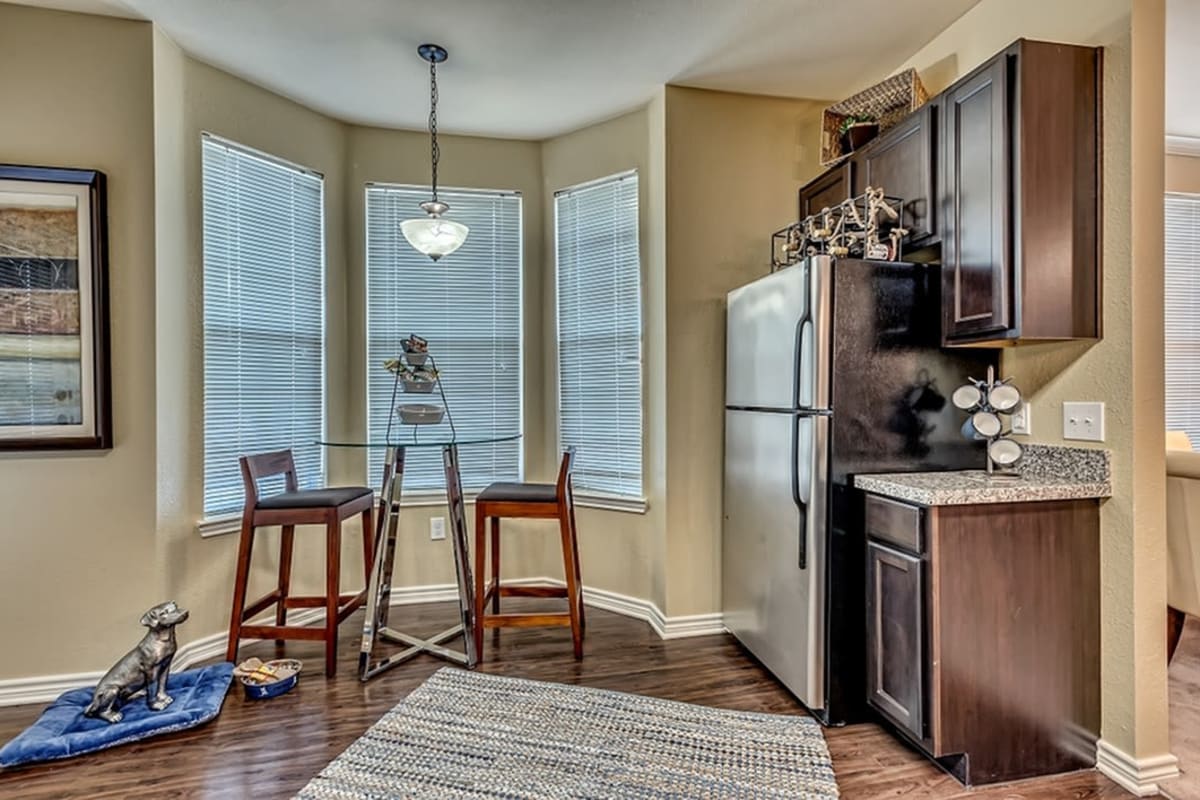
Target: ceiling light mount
431 234
433 53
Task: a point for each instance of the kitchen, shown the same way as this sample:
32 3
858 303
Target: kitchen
670 557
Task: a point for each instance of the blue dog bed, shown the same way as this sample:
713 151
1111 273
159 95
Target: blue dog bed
63 731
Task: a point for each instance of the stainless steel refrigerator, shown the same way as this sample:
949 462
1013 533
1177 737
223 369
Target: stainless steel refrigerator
832 368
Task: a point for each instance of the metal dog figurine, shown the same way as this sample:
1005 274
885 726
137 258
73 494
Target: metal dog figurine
144 668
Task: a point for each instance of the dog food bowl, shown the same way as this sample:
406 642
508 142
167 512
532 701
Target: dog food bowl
264 680
420 413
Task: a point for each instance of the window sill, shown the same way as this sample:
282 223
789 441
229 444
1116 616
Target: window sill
606 502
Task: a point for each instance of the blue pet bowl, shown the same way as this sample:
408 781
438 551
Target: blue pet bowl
265 691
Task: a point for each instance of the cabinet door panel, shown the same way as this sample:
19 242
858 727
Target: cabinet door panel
896 628
976 220
826 191
902 163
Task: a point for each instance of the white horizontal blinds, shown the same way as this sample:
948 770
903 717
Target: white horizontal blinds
600 333
264 309
1182 319
468 305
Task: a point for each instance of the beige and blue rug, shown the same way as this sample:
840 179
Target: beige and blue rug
469 735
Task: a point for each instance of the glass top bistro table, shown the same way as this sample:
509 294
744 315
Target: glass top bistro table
375 626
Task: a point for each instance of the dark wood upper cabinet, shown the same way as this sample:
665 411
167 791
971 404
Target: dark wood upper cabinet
976 228
903 162
827 190
1020 197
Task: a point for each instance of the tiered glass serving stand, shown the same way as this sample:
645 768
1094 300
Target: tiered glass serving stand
376 631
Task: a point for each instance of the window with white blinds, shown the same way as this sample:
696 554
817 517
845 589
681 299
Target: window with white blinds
264 317
1181 248
600 333
468 305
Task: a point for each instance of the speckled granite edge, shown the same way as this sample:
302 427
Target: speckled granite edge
935 492
1047 473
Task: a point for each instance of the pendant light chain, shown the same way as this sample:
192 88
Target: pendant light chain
435 151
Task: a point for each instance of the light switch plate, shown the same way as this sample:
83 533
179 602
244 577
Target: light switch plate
1083 421
1022 419
437 528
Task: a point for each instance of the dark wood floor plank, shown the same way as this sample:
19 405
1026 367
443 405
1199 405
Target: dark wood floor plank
270 749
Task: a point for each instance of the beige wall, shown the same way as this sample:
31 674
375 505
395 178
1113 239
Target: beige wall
390 156
199 571
620 551
1125 368
77 532
734 163
1183 174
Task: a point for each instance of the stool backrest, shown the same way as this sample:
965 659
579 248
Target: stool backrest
264 465
563 485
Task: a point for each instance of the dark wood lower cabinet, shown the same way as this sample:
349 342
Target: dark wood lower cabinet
984 635
895 657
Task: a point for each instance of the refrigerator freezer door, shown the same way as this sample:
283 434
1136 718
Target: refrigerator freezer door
777 344
762 320
776 496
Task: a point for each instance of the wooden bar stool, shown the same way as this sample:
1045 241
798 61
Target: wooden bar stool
328 507
538 501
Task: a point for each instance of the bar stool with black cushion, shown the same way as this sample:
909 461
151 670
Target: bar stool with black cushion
292 507
536 501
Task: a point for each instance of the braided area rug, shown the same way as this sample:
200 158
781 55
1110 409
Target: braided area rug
468 735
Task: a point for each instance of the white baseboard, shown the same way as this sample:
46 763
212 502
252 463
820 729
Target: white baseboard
46 688
1139 776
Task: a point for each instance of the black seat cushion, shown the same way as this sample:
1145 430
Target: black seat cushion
315 498
521 493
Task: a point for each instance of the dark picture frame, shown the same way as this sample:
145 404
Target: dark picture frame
55 352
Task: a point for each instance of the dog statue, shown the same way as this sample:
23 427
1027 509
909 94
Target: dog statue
144 668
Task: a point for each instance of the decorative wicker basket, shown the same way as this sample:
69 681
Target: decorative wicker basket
888 101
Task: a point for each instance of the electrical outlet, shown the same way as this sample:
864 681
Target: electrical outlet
437 528
1022 419
1083 421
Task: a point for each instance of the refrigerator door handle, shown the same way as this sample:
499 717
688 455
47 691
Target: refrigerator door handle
818 491
803 506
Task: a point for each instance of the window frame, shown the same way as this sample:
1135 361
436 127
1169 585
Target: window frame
218 522
425 497
593 498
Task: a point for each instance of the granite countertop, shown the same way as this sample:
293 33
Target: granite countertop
1045 473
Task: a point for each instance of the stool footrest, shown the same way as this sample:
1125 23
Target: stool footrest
532 591
261 604
525 620
282 632
310 601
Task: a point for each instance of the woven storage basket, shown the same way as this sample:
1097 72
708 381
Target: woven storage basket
888 101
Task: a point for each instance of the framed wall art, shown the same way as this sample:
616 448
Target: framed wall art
55 372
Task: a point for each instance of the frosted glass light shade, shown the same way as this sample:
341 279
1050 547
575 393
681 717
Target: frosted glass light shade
434 236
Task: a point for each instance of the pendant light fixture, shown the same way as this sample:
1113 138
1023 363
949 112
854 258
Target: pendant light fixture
432 234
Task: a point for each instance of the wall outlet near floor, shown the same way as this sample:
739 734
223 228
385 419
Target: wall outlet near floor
1083 421
1022 419
437 528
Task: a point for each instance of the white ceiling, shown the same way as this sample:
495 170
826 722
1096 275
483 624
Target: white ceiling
537 68
1183 65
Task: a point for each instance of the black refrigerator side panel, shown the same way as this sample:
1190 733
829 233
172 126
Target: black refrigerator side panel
891 380
891 384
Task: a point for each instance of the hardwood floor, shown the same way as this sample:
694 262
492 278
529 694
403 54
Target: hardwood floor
270 749
1185 714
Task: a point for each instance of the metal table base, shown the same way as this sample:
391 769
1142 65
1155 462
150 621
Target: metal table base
375 626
